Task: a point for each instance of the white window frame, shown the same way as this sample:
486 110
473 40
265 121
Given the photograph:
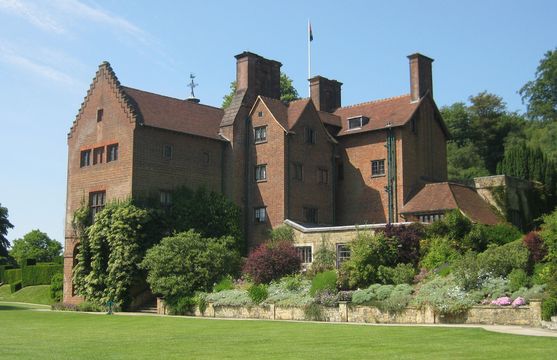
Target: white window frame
260 214
304 256
260 130
261 172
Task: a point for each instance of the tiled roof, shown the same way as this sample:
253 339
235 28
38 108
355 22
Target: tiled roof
295 110
278 109
329 119
175 114
395 111
437 197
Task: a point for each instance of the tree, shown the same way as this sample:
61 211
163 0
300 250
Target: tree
464 162
4 226
35 245
287 91
541 93
187 262
271 261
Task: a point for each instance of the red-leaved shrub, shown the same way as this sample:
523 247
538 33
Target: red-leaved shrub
271 261
535 245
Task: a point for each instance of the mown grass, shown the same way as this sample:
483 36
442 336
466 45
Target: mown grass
39 294
29 334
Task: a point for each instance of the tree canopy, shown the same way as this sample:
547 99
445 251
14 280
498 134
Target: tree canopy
35 245
287 91
5 225
541 93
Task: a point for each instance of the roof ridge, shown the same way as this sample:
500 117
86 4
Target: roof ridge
169 97
374 101
297 100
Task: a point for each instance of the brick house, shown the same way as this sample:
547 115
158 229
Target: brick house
311 161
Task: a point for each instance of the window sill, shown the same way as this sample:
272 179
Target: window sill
261 181
378 176
261 142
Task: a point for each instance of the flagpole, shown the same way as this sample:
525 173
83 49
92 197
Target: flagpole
309 57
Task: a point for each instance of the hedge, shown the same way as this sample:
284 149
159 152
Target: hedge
15 286
40 274
12 276
2 269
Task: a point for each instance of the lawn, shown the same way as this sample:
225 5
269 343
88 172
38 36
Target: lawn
32 334
39 294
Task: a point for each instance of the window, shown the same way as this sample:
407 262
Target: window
343 254
260 114
323 176
310 215
261 172
378 168
429 218
305 254
167 152
260 215
309 136
298 171
85 158
206 157
96 202
165 198
98 155
260 134
100 113
357 122
112 152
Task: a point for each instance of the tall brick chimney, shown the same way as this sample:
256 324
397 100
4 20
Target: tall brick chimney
325 93
420 76
258 75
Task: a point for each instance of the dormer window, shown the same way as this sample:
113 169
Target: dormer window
357 122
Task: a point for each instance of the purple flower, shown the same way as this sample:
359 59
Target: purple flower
518 302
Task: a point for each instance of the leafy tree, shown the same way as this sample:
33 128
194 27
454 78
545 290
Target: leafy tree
109 253
188 262
35 245
4 226
287 91
271 261
541 93
464 162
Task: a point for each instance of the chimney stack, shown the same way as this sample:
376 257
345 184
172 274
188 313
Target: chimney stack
258 75
421 80
325 93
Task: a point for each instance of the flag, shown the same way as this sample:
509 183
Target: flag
310 33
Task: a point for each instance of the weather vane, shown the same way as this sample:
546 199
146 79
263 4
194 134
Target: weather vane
192 84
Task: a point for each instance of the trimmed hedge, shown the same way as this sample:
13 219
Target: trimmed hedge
12 276
40 274
15 286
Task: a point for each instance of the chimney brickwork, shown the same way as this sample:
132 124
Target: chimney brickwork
420 76
325 93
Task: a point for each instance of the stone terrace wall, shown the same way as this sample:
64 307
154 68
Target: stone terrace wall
529 315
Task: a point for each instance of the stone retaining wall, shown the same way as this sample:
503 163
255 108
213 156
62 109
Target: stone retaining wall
529 315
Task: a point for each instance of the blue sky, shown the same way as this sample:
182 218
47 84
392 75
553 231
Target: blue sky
50 50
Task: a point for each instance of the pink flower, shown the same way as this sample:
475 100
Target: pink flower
519 301
502 301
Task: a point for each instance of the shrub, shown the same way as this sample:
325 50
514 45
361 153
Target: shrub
542 273
57 287
326 298
439 252
398 299
226 283
549 235
518 279
230 298
501 260
201 301
324 259
12 275
325 281
501 234
385 297
186 262
494 287
535 292
288 292
549 308
408 241
535 246
88 306
467 272
258 293
454 226
282 233
182 306
367 253
401 274
444 296
271 261
292 282
59 306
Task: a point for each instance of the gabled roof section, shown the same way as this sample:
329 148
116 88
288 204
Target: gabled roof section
106 70
330 119
295 110
278 110
440 197
173 114
395 111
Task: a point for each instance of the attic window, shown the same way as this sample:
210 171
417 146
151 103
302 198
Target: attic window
100 113
357 122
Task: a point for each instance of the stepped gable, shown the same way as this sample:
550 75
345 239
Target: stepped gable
128 104
169 113
396 111
445 196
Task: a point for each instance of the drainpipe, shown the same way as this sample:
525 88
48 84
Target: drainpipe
247 180
391 188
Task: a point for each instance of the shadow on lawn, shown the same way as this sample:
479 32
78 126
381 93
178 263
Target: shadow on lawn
12 307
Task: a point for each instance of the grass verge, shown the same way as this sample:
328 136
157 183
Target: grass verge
39 294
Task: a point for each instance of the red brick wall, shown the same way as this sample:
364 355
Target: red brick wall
195 161
309 192
271 192
113 177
